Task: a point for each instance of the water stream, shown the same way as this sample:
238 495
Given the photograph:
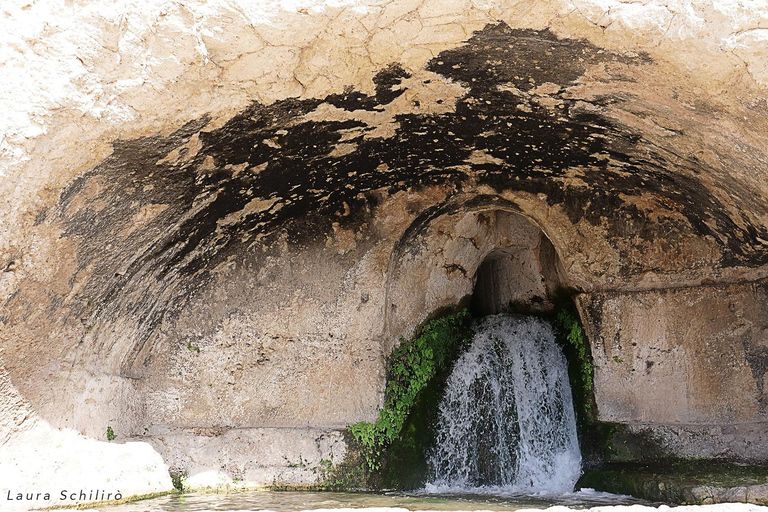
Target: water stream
506 420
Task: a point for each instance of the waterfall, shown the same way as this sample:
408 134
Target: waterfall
506 420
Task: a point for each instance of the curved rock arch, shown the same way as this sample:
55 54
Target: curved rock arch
454 239
257 247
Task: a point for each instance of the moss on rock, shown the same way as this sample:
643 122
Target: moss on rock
393 450
692 482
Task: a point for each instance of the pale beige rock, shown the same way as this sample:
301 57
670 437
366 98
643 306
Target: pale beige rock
38 459
685 366
704 347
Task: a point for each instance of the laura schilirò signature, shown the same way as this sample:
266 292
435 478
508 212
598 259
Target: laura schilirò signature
65 495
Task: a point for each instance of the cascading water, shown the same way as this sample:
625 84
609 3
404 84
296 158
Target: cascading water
506 420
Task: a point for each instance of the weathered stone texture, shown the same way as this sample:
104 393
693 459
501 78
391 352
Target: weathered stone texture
686 365
220 216
37 458
211 456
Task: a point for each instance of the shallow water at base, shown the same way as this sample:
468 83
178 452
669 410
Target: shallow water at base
291 501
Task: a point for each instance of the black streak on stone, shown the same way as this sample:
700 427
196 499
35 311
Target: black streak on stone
386 82
524 58
269 153
757 358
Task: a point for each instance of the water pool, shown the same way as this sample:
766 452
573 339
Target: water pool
291 501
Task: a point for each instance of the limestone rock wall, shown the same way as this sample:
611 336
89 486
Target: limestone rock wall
218 218
686 366
38 460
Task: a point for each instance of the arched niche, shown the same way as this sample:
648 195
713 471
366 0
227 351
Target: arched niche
519 278
491 258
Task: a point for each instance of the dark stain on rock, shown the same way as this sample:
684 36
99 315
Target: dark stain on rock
280 172
386 82
757 358
524 58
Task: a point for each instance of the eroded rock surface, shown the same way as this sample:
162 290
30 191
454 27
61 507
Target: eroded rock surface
259 201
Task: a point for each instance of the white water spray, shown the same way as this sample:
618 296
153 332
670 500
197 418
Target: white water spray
506 420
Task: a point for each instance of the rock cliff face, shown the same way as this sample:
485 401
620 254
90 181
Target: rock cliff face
218 219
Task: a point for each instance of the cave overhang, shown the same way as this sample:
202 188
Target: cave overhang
253 267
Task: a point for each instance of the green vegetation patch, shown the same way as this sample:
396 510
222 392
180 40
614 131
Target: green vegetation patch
569 327
413 367
570 335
